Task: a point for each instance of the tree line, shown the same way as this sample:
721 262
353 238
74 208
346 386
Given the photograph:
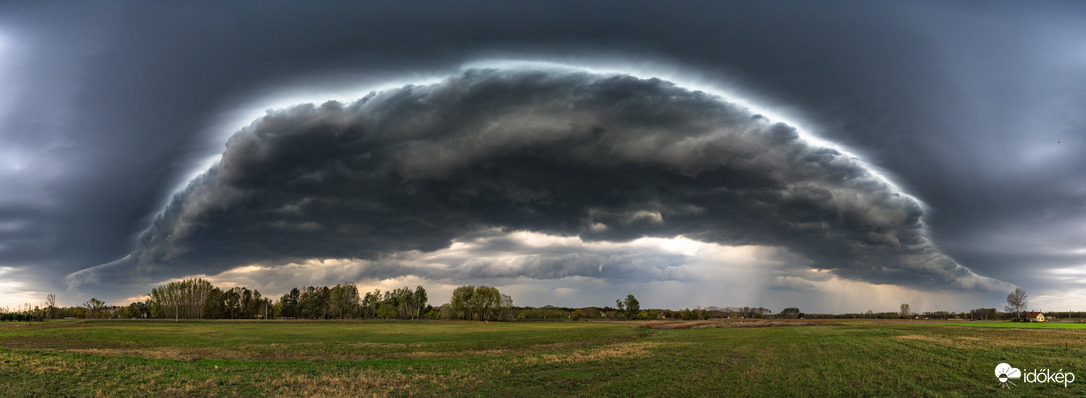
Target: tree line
343 301
198 299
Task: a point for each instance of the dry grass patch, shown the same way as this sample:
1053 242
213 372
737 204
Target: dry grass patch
184 354
958 343
983 339
930 339
623 351
366 383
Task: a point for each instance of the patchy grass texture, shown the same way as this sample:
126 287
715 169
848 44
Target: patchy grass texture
711 358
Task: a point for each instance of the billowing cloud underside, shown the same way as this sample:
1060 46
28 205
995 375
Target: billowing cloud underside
600 157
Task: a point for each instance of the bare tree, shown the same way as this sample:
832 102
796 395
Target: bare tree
904 310
506 308
94 307
51 305
1017 302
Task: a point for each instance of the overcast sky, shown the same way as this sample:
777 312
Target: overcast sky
834 156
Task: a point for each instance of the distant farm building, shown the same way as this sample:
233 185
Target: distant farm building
1035 317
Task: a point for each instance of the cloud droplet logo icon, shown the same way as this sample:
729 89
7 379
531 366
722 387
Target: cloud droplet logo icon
1005 372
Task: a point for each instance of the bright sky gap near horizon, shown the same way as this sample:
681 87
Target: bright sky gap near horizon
838 157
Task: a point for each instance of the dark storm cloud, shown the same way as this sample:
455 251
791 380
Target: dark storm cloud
105 107
602 157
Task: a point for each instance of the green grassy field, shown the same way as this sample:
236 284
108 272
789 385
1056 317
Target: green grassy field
1022 325
333 358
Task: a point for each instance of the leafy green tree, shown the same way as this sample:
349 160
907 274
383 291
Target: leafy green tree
245 302
483 303
289 303
462 302
256 306
983 313
314 302
370 302
343 300
790 312
404 300
420 300
350 299
137 310
487 302
386 310
232 303
445 311
181 299
629 307
214 305
335 302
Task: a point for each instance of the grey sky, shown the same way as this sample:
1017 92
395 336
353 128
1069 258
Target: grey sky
972 109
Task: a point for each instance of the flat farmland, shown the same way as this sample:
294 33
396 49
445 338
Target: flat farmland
419 358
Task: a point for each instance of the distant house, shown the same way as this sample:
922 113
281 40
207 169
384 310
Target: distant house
1035 317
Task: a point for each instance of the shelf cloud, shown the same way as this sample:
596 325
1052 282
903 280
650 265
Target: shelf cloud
597 158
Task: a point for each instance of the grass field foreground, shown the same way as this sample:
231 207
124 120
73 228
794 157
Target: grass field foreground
345 358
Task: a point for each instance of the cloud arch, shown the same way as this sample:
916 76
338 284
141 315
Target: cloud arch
604 157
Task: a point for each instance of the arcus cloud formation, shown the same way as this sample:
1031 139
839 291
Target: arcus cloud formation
602 157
